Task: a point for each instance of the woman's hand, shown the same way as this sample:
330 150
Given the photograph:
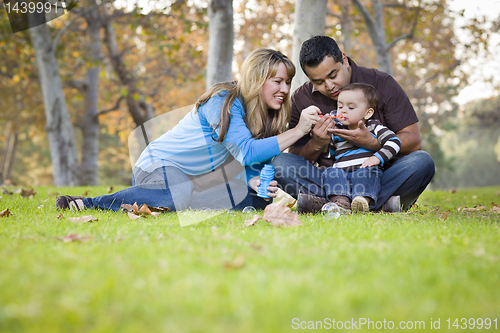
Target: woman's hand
272 189
308 118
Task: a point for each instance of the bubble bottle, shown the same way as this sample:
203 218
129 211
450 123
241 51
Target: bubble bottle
266 176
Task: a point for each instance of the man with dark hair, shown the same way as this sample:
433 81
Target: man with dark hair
301 173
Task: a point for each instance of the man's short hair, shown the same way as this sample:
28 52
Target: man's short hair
368 91
315 49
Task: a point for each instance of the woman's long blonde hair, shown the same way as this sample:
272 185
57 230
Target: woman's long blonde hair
260 65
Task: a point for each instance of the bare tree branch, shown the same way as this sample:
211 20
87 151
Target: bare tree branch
410 34
114 108
330 12
78 84
67 26
370 22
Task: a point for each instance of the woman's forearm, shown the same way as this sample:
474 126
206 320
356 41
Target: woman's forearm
289 137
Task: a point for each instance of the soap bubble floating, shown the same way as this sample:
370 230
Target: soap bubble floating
332 211
249 210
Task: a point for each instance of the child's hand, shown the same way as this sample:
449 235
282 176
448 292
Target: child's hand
372 161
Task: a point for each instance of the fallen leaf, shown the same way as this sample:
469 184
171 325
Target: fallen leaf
452 191
253 221
110 189
279 215
6 191
83 219
28 193
496 209
237 263
132 216
445 215
144 210
5 213
474 209
60 217
75 237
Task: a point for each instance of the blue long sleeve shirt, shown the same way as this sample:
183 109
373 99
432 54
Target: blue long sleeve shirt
192 145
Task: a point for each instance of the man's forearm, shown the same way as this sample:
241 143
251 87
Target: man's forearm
410 139
409 143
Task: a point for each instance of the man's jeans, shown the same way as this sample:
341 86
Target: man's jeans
407 177
170 187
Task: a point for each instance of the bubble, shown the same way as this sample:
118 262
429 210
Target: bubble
332 211
249 210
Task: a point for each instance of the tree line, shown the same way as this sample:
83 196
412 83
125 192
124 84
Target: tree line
87 79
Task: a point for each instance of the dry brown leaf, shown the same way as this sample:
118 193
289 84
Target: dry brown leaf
75 237
237 263
28 193
452 191
132 216
144 210
253 221
496 209
5 213
279 215
474 209
445 215
83 219
60 217
6 191
110 189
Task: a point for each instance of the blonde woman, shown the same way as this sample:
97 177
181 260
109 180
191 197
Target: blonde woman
235 127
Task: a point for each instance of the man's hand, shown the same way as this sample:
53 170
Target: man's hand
360 137
320 134
371 161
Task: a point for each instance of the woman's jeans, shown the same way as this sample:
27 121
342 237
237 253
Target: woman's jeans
407 177
171 188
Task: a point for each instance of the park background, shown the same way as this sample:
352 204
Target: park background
122 63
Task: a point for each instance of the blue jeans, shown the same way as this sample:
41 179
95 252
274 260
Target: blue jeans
170 187
407 177
360 182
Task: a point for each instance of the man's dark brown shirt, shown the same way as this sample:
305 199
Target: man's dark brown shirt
394 109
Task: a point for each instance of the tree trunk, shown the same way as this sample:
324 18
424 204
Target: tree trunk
376 29
9 152
309 21
138 109
58 122
347 26
220 42
90 129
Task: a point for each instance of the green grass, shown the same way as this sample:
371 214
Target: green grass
218 276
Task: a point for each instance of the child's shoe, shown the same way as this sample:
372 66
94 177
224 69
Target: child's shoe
360 204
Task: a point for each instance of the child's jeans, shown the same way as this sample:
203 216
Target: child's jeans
363 182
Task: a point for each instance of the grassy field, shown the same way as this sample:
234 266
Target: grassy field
438 261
